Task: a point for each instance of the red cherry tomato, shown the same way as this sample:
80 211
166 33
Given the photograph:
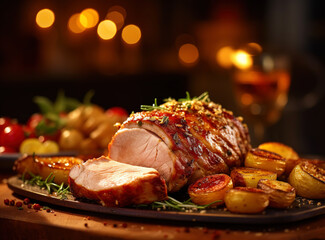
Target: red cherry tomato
4 122
12 136
54 137
34 120
29 132
63 114
121 112
6 149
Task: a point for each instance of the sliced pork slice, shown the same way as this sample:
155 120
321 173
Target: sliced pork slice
183 140
116 184
140 147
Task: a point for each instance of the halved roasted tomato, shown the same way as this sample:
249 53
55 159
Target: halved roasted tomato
210 189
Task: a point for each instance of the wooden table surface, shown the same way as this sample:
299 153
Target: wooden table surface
63 223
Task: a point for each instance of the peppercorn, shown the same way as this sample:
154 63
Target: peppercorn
6 201
29 205
36 206
48 210
26 201
12 202
19 204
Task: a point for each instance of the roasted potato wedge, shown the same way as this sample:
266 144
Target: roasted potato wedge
249 177
262 159
44 166
308 180
209 189
246 200
290 155
281 194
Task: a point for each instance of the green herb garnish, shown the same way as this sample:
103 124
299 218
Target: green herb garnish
187 98
203 97
172 203
48 184
153 107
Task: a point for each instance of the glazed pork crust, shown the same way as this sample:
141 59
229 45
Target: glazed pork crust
199 138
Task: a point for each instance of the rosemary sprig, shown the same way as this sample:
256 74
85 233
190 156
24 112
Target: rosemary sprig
153 107
48 184
203 97
172 203
187 98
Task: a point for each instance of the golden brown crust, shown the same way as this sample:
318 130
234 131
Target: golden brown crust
43 166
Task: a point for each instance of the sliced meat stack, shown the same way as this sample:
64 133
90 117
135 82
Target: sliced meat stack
184 140
115 184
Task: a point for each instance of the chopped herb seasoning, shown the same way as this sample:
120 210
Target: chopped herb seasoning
139 123
176 138
229 153
164 120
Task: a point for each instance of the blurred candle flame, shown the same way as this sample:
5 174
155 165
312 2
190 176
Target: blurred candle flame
45 18
242 59
131 34
75 25
117 18
89 18
188 54
224 56
106 29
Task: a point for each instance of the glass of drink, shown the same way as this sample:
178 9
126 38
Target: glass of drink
262 91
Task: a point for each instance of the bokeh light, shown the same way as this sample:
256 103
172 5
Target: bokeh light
131 34
223 57
188 54
242 59
246 99
118 9
106 29
253 48
74 24
45 18
117 18
89 17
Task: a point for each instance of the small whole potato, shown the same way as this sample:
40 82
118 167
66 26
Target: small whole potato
246 200
70 139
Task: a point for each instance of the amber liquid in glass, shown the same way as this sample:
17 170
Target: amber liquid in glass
262 95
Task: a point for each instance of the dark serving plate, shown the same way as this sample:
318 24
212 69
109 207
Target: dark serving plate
301 209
